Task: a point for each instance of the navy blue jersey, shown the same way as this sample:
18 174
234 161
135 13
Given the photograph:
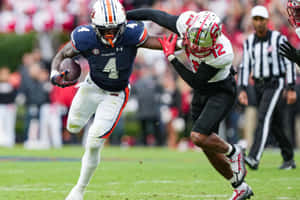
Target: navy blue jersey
110 68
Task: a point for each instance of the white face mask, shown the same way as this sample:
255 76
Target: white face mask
298 32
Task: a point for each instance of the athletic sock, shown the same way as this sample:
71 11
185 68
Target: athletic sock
90 161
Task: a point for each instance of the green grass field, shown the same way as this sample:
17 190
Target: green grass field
136 174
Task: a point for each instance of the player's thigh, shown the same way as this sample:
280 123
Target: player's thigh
215 109
83 107
108 114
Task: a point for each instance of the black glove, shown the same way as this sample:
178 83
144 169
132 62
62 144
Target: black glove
58 79
288 51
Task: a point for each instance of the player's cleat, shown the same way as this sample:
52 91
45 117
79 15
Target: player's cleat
242 192
251 162
286 165
75 194
238 166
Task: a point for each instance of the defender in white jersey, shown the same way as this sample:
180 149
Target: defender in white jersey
210 54
220 57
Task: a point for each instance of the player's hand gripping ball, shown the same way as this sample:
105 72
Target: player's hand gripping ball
69 72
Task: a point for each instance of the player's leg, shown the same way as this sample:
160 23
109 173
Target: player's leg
216 149
83 107
209 111
220 163
107 115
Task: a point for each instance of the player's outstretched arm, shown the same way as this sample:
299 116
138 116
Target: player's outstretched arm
56 77
162 18
195 80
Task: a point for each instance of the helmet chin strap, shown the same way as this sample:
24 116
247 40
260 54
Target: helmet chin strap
297 30
110 38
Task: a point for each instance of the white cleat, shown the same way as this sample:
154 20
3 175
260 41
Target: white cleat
242 192
75 194
237 163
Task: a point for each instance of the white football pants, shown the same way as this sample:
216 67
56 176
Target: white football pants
107 107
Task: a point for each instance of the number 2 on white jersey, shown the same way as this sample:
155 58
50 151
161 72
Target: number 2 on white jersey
111 68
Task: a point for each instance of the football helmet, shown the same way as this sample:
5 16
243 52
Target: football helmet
202 33
293 9
109 20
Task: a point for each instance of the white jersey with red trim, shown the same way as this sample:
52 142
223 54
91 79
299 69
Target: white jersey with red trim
222 56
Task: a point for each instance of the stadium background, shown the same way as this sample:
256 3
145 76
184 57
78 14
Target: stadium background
32 31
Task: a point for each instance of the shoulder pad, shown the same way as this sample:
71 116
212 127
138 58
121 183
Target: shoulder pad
135 33
83 38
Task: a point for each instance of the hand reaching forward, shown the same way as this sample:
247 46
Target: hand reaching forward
168 44
57 78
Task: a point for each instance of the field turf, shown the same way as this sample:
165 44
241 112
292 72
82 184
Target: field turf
136 174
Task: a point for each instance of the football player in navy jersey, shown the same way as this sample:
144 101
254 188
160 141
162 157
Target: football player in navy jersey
210 54
110 45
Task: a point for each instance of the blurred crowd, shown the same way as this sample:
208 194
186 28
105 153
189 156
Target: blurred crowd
160 100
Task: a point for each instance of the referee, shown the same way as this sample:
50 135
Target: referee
270 71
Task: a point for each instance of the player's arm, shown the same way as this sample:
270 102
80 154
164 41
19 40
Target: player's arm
162 18
57 78
195 80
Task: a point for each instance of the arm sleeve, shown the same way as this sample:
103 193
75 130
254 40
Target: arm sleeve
195 80
245 67
162 18
290 74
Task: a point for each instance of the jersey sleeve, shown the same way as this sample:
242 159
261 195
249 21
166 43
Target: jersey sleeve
82 38
183 22
137 33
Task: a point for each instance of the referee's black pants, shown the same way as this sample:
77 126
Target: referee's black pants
271 107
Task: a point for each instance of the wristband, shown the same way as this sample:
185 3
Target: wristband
54 73
171 57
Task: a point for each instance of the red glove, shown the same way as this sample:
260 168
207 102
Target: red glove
168 44
58 79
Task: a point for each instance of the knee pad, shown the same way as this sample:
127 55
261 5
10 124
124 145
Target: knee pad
74 125
73 128
94 142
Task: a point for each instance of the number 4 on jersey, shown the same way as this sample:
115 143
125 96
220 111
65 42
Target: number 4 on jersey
111 68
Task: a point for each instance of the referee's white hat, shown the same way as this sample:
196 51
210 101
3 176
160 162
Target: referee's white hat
260 11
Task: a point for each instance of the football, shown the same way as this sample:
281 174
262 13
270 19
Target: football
72 67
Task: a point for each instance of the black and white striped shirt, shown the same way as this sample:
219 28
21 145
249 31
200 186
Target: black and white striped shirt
261 58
